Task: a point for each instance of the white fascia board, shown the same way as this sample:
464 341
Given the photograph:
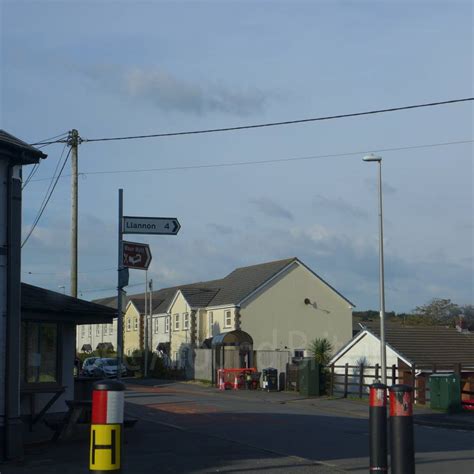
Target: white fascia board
266 283
222 306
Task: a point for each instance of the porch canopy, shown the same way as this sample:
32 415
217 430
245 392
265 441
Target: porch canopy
233 338
233 349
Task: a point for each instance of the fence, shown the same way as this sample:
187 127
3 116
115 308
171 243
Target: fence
349 380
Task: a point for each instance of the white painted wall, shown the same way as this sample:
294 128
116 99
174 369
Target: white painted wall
94 333
278 318
159 334
367 348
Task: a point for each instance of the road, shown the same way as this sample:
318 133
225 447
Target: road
308 435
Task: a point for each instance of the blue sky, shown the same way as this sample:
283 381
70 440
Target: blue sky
111 68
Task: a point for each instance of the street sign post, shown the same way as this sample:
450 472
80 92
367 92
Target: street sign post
150 225
136 255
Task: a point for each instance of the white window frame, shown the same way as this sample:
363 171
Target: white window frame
167 324
135 324
176 322
97 330
186 321
211 322
129 324
90 330
225 319
83 331
111 329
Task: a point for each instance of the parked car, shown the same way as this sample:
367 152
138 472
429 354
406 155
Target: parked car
107 367
88 366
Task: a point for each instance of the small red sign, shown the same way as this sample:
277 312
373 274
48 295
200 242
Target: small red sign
136 255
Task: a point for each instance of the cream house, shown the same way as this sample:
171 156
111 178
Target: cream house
282 305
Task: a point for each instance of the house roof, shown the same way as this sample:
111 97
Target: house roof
425 345
40 303
18 149
230 290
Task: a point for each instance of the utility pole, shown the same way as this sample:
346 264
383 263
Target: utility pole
73 142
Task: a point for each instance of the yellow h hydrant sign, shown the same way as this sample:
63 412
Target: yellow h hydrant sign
106 426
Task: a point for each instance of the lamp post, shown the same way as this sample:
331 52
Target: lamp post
383 354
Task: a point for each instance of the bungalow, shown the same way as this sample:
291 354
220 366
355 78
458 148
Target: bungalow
412 352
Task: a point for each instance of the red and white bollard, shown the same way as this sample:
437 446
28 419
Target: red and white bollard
236 382
378 428
221 379
106 426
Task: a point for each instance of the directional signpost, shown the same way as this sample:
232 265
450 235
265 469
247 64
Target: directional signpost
136 255
151 225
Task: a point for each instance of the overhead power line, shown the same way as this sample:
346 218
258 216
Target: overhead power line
285 122
47 197
48 141
274 160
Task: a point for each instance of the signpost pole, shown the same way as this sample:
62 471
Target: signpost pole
145 325
119 287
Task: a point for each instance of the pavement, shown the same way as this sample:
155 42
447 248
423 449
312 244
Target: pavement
187 427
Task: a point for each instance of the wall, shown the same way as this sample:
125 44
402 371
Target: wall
367 349
274 359
158 331
203 364
92 338
278 318
131 338
181 338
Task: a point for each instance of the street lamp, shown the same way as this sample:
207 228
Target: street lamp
383 349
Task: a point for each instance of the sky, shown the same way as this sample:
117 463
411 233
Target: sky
120 68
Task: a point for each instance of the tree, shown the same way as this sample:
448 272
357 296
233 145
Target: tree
321 350
439 310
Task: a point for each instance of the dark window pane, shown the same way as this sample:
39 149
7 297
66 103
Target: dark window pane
33 357
48 346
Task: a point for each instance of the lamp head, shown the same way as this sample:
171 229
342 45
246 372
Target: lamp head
372 157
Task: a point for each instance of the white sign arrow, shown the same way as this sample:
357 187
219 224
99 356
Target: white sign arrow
150 225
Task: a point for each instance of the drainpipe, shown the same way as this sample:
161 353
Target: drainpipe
13 425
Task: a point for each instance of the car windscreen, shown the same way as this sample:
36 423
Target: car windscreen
110 361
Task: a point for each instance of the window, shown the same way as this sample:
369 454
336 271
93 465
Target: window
83 331
155 325
167 324
111 328
135 324
228 319
39 352
299 353
176 322
97 330
211 322
90 330
104 329
186 321
129 324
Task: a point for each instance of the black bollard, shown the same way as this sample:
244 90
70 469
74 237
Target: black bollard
402 450
378 428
